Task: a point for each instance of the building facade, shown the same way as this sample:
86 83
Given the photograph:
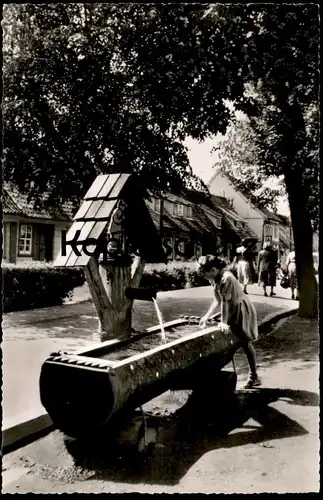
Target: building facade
194 224
186 230
263 223
30 233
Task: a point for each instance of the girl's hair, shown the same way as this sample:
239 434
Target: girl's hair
266 245
206 262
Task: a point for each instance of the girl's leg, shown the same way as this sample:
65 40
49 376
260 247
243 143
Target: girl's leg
292 293
265 292
272 291
251 356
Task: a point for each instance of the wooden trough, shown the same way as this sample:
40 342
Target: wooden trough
85 390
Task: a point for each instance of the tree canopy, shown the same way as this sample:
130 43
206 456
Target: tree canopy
97 88
102 87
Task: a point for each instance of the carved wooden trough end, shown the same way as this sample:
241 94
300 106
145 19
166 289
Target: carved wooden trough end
84 390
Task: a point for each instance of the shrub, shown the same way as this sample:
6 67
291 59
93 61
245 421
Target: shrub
193 279
29 285
171 276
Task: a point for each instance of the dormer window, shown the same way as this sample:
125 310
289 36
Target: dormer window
218 222
178 210
189 212
157 204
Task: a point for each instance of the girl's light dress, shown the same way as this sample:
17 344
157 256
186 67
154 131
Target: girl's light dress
242 316
291 269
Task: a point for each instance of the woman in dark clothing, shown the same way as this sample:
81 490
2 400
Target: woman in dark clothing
267 263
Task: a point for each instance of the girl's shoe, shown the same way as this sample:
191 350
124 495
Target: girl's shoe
272 293
253 381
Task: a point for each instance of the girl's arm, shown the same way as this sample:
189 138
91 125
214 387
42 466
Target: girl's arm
224 316
211 310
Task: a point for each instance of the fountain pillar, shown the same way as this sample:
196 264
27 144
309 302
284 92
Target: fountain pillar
117 276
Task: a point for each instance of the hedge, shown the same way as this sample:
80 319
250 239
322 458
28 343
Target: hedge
30 286
36 285
172 277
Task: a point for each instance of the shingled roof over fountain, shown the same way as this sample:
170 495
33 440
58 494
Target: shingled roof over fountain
95 214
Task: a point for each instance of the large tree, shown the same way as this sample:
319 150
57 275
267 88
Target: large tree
118 87
279 62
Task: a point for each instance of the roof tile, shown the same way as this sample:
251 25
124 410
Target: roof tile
17 203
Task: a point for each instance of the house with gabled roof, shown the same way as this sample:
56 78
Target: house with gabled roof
31 233
235 228
263 223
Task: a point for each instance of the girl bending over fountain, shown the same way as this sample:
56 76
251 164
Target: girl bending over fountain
237 310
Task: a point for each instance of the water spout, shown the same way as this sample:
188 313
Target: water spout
161 322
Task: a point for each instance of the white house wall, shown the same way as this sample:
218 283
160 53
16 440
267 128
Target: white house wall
220 186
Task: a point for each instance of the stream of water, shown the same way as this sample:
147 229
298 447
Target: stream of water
161 322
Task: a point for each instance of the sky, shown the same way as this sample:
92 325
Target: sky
202 161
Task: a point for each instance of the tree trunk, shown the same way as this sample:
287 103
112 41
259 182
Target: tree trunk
292 129
303 242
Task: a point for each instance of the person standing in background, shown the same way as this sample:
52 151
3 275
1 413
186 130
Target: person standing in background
267 264
291 271
243 262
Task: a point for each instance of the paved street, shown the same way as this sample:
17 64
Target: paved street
29 337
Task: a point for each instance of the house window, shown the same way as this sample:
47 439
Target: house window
180 250
156 205
268 230
218 221
25 239
275 232
178 209
198 249
229 251
189 212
